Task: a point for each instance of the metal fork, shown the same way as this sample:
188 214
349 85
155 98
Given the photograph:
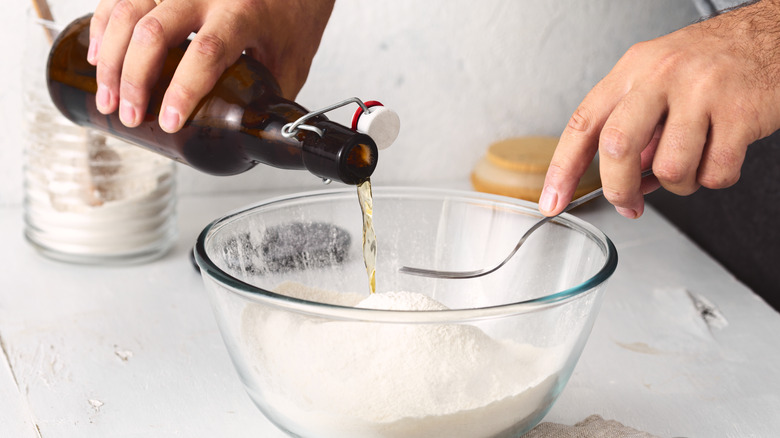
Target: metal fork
485 271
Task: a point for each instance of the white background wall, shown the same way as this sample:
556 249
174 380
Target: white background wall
461 74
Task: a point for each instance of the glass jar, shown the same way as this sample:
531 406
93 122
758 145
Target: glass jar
88 198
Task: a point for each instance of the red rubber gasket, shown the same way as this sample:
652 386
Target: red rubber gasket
359 111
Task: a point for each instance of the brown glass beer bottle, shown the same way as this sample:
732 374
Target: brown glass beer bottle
237 125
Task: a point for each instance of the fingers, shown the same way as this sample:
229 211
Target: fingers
689 106
676 161
686 151
627 131
576 148
650 183
723 156
113 46
97 27
697 149
129 39
625 128
214 48
132 47
160 29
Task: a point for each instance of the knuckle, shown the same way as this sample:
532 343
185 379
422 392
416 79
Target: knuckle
665 63
614 143
617 197
742 117
581 120
668 63
129 89
556 170
149 31
182 92
707 81
124 11
635 51
639 53
107 71
212 47
674 173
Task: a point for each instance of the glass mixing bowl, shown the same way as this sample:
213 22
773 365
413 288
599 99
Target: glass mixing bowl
483 357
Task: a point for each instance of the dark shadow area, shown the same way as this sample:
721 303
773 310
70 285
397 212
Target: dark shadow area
738 226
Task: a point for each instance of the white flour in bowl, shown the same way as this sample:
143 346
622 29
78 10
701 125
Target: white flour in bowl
348 378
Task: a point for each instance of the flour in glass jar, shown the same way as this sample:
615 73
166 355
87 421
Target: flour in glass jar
357 379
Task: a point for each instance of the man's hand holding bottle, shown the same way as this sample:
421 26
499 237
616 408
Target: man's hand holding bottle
129 40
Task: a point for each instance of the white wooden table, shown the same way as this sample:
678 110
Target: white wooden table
680 347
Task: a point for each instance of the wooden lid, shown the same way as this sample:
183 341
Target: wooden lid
523 154
517 167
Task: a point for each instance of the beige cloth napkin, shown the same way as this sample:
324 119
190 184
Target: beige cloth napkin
591 427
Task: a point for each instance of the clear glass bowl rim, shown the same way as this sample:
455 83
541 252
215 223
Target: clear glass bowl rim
330 311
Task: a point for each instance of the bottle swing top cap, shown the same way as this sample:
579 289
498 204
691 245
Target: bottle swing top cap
371 118
379 122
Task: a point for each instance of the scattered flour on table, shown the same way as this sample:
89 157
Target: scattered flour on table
361 379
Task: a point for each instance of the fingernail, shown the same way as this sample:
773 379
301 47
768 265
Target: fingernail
627 212
126 113
548 199
92 51
103 98
169 121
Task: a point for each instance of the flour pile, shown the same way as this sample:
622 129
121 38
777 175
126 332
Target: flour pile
348 378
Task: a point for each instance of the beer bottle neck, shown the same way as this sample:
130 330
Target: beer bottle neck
340 154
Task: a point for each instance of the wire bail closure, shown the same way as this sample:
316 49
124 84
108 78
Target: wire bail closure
291 129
